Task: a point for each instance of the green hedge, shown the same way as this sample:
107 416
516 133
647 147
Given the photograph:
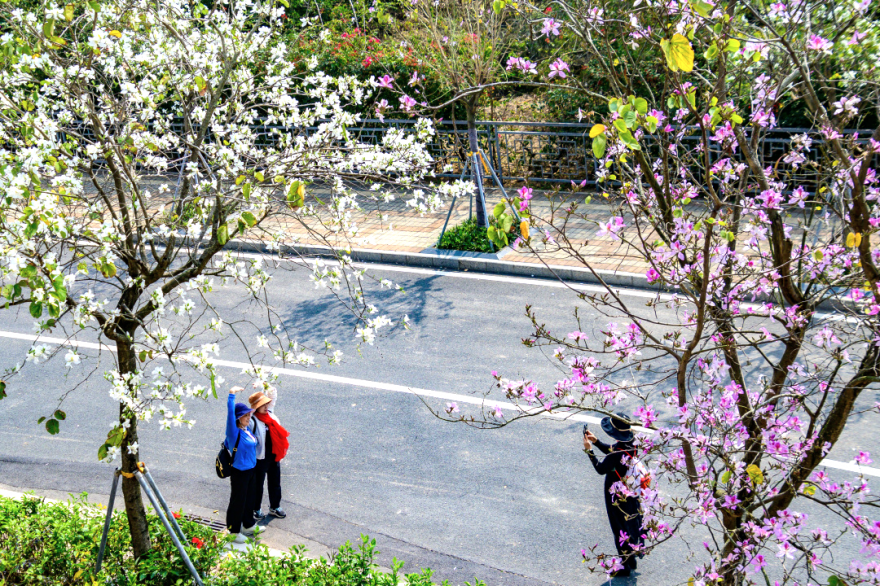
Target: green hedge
57 543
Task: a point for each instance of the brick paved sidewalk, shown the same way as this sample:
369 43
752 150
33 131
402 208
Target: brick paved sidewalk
403 229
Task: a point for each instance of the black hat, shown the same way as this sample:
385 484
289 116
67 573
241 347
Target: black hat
618 427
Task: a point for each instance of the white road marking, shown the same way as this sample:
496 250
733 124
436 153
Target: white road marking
367 384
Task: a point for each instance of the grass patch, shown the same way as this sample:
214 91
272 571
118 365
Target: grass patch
57 543
469 237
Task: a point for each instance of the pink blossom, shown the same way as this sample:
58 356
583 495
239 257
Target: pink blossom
525 194
407 103
551 27
385 81
864 458
522 64
652 275
856 38
558 67
577 336
611 227
817 43
798 197
452 408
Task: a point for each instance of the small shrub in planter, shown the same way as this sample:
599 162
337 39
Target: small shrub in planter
469 237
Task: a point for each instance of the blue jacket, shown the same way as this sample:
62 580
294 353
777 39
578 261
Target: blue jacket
246 456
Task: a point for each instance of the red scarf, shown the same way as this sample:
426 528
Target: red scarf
278 434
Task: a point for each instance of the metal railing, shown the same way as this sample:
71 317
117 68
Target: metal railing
545 152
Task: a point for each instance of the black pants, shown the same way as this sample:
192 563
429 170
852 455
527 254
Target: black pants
267 467
240 512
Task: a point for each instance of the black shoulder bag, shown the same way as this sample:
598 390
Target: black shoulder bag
224 460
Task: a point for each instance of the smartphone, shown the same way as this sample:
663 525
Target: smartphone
586 428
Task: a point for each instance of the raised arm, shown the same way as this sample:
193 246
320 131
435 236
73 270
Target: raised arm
231 423
606 465
272 393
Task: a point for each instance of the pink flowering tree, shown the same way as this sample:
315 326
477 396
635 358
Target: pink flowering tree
762 342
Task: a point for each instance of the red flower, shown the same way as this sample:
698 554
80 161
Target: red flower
176 515
198 543
548 10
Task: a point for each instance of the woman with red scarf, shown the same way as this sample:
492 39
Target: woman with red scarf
271 449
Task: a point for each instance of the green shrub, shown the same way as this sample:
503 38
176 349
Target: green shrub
57 543
469 237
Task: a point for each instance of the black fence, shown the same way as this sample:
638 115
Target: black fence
546 152
555 152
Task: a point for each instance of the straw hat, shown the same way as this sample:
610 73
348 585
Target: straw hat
257 400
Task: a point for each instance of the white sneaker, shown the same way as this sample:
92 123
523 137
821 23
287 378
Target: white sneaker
249 531
239 539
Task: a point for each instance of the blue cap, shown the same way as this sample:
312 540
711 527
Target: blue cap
241 410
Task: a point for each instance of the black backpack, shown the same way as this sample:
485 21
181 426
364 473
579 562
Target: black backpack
224 460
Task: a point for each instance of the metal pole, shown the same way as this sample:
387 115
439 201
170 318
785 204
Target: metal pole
451 207
180 548
165 507
443 231
482 195
504 191
107 521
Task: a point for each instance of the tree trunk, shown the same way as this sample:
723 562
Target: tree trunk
131 489
471 107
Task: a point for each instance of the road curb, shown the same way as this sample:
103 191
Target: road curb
459 261
454 260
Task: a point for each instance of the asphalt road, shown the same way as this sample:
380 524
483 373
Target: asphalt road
509 506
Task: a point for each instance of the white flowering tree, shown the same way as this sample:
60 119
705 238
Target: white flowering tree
138 140
747 376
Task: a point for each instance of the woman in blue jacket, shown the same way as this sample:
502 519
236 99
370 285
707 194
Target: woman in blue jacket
239 514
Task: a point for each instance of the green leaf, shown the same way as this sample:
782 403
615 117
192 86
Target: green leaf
651 123
613 105
259 176
704 9
679 53
60 415
755 474
68 12
36 310
200 83
284 3
732 46
52 426
725 478
630 141
250 218
809 489
246 191
620 125
630 119
834 581
49 28
599 144
642 106
498 6
222 234
3 394
108 269
213 386
712 52
115 436
102 452
60 290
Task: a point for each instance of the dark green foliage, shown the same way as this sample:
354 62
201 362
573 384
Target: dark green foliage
57 543
469 237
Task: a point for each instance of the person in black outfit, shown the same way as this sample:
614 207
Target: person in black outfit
623 514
